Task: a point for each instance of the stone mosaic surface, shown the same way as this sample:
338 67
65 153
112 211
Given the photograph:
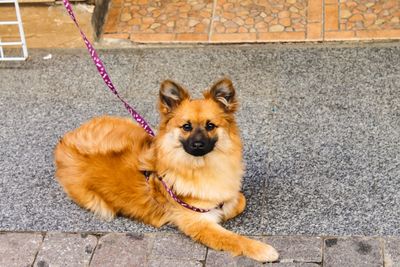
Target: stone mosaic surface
234 16
170 16
222 21
369 14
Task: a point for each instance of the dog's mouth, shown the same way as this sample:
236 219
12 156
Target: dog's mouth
198 148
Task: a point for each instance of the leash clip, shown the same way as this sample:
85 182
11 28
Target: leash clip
147 175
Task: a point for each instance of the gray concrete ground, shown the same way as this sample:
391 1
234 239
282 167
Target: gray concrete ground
320 125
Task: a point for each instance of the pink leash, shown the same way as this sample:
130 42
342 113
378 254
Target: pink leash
102 70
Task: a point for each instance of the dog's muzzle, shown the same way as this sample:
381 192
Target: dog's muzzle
198 144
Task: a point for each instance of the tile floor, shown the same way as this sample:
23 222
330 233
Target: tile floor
220 21
211 21
47 26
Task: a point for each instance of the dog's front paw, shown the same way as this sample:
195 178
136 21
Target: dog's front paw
261 252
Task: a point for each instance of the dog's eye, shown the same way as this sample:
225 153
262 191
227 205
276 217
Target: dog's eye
187 127
210 126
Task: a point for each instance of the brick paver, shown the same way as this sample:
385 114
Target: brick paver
173 263
297 248
354 251
220 258
392 251
234 21
175 250
19 249
177 246
61 249
292 264
122 250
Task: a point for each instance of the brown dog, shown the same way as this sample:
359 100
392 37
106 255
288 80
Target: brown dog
196 155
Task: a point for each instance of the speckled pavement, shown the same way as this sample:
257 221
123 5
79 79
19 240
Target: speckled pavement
320 125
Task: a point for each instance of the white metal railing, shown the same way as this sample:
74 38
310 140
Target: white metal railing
21 43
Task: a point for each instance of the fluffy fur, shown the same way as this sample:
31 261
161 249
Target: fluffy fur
100 167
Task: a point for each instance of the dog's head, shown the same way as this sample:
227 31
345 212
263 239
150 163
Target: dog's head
200 127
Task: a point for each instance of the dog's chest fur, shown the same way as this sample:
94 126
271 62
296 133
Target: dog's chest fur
217 183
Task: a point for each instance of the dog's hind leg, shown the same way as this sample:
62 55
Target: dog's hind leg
90 200
72 172
98 206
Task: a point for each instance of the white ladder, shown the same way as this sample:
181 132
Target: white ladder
21 43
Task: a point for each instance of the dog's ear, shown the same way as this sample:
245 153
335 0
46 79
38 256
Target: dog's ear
224 94
171 95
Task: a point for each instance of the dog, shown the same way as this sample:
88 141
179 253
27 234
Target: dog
189 175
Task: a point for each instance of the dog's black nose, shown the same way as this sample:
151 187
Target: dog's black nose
197 145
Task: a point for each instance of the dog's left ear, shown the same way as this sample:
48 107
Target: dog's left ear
224 94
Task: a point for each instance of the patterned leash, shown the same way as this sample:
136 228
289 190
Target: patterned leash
106 78
102 70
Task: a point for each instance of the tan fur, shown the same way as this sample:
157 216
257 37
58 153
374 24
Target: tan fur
100 167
